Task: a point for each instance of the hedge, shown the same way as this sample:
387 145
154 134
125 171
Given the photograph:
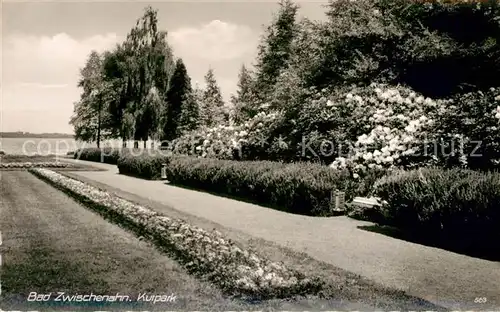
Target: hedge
110 155
143 166
457 206
300 188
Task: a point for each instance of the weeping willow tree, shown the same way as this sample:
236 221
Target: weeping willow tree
150 66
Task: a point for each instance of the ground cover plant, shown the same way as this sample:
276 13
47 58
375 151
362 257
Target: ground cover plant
209 254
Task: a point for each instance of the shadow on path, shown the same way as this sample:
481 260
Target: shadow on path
461 246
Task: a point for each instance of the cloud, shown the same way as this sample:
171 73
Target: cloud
40 75
50 60
40 85
215 41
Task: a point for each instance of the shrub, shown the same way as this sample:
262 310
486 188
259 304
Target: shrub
460 206
145 166
109 155
397 123
468 131
301 188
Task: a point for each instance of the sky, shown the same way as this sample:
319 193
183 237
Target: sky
44 44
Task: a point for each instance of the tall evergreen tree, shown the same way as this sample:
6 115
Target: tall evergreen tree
275 48
190 113
243 102
177 95
212 104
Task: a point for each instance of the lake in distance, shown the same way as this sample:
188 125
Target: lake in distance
52 146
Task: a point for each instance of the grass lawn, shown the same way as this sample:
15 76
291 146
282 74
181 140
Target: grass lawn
345 286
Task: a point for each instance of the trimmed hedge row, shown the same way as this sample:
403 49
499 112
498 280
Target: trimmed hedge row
144 166
110 155
300 188
456 206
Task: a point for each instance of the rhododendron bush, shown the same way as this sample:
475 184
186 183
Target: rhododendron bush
363 129
242 141
398 123
408 130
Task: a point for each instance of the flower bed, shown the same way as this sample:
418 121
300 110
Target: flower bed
208 254
34 165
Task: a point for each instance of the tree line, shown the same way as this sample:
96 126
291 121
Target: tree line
140 91
442 49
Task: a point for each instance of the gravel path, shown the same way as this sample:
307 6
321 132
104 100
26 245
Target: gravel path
442 277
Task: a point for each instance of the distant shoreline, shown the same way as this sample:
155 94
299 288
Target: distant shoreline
27 135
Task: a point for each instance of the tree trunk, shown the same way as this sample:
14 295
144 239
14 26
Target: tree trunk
145 144
99 126
124 139
136 144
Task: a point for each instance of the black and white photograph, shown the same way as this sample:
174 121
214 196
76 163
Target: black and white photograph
239 155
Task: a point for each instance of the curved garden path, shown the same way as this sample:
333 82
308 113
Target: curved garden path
442 277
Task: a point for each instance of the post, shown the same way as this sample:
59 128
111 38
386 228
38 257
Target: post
164 171
99 125
337 201
340 201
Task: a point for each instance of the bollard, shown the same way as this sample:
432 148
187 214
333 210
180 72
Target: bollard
340 201
337 201
164 171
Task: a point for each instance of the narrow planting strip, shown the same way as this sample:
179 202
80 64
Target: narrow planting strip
207 254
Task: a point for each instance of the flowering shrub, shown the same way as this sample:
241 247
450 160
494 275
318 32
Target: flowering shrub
228 142
216 142
35 164
398 123
209 254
